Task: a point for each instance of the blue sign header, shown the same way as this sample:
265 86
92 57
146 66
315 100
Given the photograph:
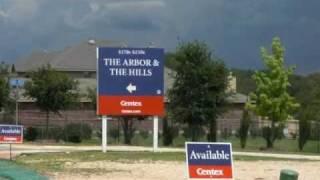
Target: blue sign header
130 71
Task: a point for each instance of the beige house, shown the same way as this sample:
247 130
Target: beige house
79 62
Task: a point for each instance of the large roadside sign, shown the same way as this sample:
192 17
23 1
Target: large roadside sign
130 81
11 134
209 160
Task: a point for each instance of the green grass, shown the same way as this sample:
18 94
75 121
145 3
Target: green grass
253 144
280 146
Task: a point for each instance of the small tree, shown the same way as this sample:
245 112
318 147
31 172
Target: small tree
244 127
92 95
304 126
198 91
4 92
5 100
53 91
271 98
128 129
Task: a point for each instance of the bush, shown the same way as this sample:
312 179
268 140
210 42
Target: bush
31 134
113 132
56 133
198 130
138 140
179 141
144 134
76 132
244 127
304 132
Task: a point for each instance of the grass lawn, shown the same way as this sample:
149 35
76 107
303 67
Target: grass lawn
253 144
55 162
280 146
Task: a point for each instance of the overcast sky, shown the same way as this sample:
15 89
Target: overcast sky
234 29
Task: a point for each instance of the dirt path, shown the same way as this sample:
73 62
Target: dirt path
244 170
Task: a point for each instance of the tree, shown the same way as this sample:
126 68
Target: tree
4 86
271 98
53 91
92 95
198 93
304 127
4 92
244 127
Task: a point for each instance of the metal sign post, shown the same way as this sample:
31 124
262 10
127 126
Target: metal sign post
10 152
104 133
155 133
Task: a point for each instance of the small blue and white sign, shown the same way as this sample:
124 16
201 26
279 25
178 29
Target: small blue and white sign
11 134
209 160
15 82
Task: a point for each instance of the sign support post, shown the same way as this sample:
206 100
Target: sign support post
104 133
10 152
155 133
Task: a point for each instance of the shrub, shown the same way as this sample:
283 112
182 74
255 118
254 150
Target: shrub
56 133
113 132
31 134
144 134
198 130
76 132
179 141
138 140
304 132
244 127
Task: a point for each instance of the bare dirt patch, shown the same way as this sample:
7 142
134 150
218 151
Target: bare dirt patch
142 170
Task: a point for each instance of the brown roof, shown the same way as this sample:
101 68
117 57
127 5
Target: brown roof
81 57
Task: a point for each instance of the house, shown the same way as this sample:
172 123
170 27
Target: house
79 62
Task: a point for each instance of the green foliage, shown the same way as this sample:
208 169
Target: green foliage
52 90
304 127
179 141
244 127
92 95
128 129
169 133
170 61
144 134
271 98
76 132
198 92
4 92
31 134
189 132
56 133
4 85
114 133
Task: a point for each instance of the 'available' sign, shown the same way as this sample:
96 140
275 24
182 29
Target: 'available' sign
209 160
11 134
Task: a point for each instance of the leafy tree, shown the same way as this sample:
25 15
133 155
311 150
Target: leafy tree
244 127
304 127
198 93
4 92
53 91
92 95
170 61
271 98
4 68
128 129
5 100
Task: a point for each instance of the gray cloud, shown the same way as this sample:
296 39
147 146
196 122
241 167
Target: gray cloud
234 29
